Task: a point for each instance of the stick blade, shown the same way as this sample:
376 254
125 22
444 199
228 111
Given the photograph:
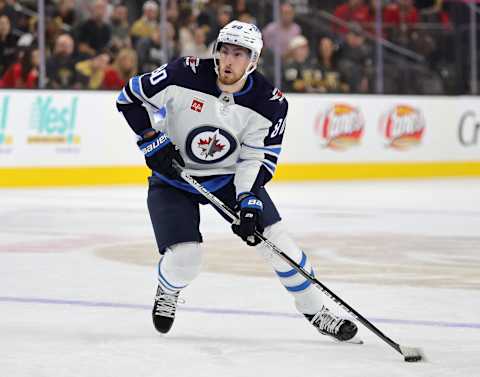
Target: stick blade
412 354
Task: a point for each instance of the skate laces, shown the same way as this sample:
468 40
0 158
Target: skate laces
327 322
166 304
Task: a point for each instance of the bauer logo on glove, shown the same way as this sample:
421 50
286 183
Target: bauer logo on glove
160 141
160 153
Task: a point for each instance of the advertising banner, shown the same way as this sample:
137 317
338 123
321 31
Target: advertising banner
381 128
51 128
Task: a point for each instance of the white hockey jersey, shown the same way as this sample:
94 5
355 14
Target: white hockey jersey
218 134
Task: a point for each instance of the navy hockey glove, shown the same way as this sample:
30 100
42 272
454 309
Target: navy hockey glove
251 209
160 153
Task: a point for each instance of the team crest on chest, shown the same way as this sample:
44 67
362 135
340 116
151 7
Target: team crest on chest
208 144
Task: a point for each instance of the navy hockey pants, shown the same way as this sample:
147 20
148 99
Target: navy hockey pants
175 213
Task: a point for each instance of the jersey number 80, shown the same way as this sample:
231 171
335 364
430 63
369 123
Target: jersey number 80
158 75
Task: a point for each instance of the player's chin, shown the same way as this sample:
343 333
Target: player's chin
229 79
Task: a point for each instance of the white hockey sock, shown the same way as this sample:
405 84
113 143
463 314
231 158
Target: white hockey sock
308 300
179 266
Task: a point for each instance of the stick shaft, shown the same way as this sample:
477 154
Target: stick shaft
233 216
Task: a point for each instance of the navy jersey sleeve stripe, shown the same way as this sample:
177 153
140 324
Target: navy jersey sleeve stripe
135 84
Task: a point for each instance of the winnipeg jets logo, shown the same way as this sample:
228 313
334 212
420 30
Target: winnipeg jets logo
211 145
192 62
277 94
208 144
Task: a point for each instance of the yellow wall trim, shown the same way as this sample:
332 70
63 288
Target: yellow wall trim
382 170
72 176
108 175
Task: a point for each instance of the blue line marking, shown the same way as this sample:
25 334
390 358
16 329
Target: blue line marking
256 313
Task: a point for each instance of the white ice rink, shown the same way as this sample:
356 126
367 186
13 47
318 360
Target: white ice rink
77 280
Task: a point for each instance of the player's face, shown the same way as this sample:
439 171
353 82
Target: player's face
233 62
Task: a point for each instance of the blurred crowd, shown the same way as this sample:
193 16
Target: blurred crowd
325 46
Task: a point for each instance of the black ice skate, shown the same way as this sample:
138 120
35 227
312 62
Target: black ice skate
329 324
164 308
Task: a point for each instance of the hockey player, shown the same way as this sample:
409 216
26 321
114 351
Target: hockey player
223 123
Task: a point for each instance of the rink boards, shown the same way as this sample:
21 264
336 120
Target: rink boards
52 138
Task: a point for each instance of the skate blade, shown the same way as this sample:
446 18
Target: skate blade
355 340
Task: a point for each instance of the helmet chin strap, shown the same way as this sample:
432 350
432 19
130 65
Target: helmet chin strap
250 68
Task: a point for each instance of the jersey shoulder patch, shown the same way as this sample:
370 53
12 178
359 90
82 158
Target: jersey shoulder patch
192 62
277 95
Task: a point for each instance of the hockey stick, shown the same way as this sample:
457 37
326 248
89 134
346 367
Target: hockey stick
410 354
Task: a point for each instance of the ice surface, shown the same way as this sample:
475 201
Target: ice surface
77 279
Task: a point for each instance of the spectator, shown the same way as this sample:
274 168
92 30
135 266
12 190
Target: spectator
62 21
60 66
173 12
372 17
302 7
401 16
281 33
84 9
223 17
53 29
241 9
266 64
185 26
8 44
120 29
329 79
351 11
198 48
442 17
124 67
151 54
428 6
8 10
94 34
65 14
91 72
145 26
298 75
24 73
401 12
207 15
28 33
119 22
355 61
247 18
433 11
